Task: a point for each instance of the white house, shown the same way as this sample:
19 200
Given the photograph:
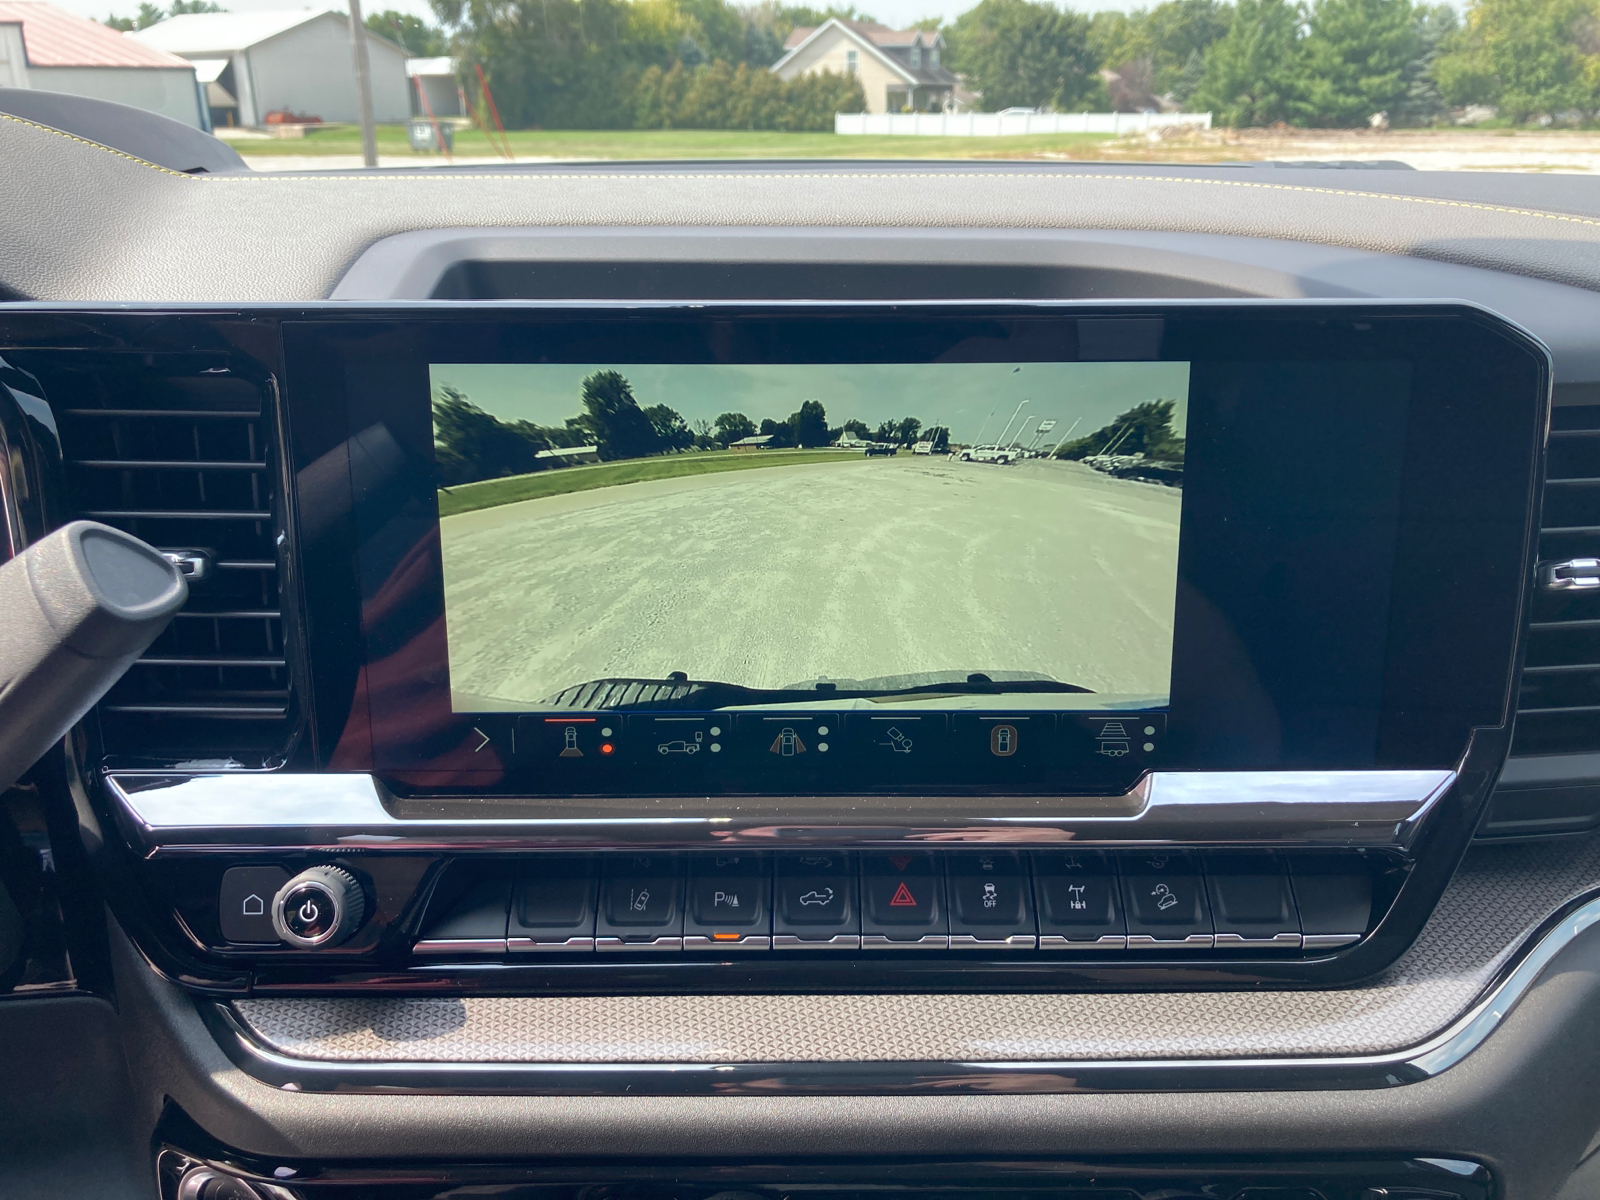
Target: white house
45 48
292 62
435 79
899 69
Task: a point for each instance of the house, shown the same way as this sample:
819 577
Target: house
568 456
900 69
758 442
45 48
437 81
255 63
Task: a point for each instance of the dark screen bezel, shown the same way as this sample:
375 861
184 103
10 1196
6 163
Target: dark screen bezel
1464 535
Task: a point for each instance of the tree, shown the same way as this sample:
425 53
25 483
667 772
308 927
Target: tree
470 444
419 39
1421 102
734 426
1356 54
810 424
1255 74
672 430
781 433
1025 53
1530 57
614 419
1143 429
858 428
905 432
939 437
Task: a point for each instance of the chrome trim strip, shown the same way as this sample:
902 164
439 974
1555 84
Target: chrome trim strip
1329 941
522 945
1365 1072
1347 809
842 941
749 941
606 944
438 946
1017 941
1054 941
1279 941
1194 941
931 941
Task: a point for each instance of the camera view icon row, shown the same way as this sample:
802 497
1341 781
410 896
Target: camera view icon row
812 742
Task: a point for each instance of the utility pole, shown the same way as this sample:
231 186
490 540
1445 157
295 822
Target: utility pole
363 71
1021 429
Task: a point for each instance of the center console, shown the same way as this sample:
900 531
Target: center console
795 648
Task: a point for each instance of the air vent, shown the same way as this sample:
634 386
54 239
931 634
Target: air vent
179 452
1552 783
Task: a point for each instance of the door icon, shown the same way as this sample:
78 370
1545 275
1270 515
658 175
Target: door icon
1003 740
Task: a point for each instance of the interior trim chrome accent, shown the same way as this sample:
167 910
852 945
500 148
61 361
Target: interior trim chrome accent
1345 809
1054 941
1361 1072
522 945
842 941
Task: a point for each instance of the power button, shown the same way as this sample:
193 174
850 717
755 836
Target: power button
321 906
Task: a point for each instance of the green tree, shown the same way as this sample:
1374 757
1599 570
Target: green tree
1356 55
672 430
859 428
781 432
1025 53
733 426
1530 57
939 436
614 419
1255 74
809 425
420 39
470 444
1143 429
1421 102
906 430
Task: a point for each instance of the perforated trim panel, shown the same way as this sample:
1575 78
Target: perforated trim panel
1496 899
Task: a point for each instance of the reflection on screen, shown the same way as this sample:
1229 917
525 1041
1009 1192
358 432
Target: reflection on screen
883 530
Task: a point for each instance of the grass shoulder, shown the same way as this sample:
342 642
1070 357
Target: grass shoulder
469 497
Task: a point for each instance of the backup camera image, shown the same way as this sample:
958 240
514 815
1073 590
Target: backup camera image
839 534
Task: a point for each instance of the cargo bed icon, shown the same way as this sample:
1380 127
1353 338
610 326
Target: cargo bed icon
1113 740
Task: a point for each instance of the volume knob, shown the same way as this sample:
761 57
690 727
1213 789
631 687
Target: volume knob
321 906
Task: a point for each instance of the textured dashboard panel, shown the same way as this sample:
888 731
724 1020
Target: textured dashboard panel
281 237
1499 894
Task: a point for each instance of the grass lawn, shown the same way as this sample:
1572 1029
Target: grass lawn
677 143
468 497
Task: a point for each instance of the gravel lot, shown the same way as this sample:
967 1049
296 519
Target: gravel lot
846 569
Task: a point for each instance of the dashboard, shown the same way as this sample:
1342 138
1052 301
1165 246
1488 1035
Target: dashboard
1273 875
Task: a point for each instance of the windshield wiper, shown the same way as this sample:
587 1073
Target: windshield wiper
678 691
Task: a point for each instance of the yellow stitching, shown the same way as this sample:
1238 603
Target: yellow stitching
268 177
72 137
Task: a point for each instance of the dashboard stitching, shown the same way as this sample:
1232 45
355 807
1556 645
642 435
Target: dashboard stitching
1277 187
72 137
1238 183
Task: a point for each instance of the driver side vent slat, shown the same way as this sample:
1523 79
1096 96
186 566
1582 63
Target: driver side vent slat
1552 782
180 453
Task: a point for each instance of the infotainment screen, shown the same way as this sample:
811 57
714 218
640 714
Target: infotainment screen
874 530
935 551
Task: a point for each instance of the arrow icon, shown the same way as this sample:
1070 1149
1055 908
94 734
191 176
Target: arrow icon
483 735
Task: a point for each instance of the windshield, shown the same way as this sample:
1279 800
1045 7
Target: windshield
1498 85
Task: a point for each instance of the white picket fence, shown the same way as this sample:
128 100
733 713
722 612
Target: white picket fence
1006 124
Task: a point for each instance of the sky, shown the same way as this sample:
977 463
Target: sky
970 399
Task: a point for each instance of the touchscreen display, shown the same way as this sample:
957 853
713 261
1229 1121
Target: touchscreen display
837 535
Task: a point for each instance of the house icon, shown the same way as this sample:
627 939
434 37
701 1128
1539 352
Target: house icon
254 906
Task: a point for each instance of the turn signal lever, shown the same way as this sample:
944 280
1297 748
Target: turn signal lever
76 609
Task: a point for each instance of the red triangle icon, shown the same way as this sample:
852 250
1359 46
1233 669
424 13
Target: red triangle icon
903 898
901 862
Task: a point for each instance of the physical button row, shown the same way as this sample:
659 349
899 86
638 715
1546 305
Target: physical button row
898 900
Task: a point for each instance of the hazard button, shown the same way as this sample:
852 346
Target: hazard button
903 895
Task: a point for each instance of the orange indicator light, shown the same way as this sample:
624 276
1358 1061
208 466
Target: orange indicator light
725 937
605 747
